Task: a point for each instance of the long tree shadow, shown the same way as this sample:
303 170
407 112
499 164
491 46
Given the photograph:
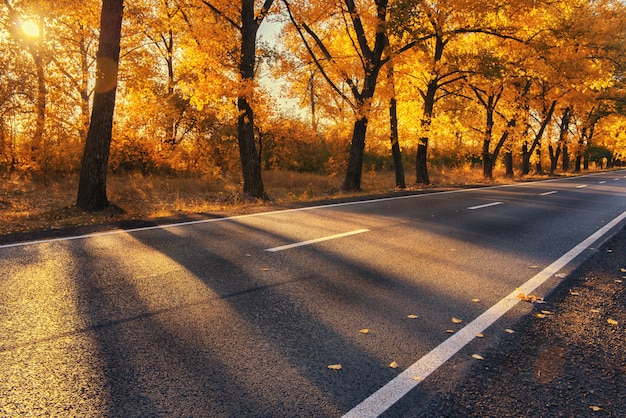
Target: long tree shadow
198 324
246 340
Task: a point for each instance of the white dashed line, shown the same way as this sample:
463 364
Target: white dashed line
582 186
548 193
485 206
313 241
602 182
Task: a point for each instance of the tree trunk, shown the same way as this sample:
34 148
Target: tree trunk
394 138
528 152
554 157
250 161
372 66
352 181
538 166
39 147
92 184
563 133
84 90
525 159
565 158
487 160
421 156
578 163
508 163
421 166
489 102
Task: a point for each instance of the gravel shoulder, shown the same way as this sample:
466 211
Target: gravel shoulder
569 361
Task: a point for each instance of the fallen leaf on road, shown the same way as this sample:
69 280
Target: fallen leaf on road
478 357
612 321
456 320
450 331
609 251
475 300
416 378
574 293
618 281
528 298
547 312
595 408
623 270
412 316
364 331
595 310
510 331
335 367
540 315
393 365
561 275
481 335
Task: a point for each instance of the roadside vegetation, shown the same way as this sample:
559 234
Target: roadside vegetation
28 203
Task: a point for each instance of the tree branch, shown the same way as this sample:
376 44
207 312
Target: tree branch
316 60
222 14
264 11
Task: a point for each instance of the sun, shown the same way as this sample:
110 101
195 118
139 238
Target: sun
30 28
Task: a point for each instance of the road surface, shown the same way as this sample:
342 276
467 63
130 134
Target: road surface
243 316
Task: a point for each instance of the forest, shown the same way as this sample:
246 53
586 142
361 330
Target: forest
205 88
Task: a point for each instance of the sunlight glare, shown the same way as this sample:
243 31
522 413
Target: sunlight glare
30 28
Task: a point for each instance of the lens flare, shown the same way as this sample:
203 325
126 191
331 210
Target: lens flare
30 28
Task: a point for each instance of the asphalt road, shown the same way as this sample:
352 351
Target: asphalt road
242 316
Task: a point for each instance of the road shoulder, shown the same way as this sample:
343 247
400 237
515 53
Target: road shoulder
566 358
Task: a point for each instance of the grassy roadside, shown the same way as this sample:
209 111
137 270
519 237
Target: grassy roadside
30 204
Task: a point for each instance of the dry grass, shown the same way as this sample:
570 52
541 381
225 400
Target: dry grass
27 204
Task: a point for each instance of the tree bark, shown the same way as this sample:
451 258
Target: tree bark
525 159
508 164
421 156
92 184
352 181
554 157
250 161
421 164
393 136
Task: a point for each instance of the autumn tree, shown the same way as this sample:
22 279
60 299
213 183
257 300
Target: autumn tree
246 21
92 194
366 38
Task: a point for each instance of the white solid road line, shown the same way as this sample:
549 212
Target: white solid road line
485 205
548 193
313 241
393 391
260 214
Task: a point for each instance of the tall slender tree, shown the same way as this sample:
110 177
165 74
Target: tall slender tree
363 86
248 26
92 194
